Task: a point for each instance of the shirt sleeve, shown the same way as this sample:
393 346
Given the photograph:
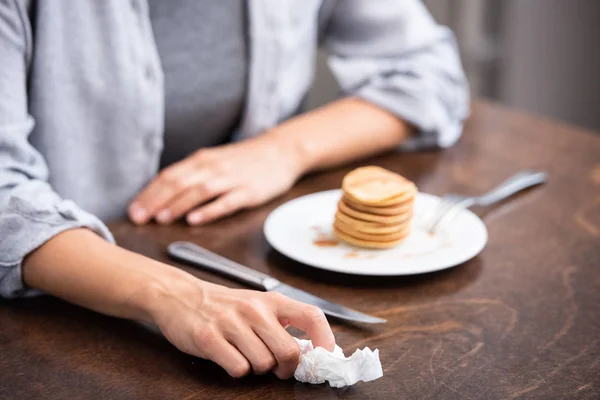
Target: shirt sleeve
393 54
31 212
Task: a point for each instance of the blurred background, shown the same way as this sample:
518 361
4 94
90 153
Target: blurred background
541 56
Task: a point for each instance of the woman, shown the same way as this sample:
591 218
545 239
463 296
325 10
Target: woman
208 93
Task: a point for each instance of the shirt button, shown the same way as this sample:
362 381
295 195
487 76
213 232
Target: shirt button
150 141
149 73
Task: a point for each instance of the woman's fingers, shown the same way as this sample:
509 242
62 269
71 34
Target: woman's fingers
282 345
253 348
191 198
287 353
306 317
222 206
269 328
183 203
214 347
168 185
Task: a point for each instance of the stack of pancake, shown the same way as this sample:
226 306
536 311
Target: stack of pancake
376 208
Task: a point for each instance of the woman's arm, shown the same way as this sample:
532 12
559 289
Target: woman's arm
248 173
345 130
80 267
241 330
31 212
394 55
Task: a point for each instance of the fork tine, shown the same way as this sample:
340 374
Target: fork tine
443 207
451 213
434 215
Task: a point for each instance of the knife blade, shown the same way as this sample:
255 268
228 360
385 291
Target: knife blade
201 257
328 307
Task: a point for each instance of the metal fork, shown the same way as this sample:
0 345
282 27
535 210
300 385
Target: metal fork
452 204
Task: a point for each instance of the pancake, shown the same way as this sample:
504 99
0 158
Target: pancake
392 201
385 237
370 229
384 219
376 209
377 186
365 243
397 200
366 226
401 208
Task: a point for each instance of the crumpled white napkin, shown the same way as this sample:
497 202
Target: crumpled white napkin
319 365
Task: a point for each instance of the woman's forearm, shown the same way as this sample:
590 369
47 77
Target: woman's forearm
79 266
342 131
241 330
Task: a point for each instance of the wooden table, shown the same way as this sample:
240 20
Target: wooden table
522 320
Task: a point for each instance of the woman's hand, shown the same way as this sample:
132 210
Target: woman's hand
241 330
233 176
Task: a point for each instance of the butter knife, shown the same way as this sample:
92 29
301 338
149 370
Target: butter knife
201 257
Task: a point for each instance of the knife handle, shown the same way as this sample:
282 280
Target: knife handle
201 257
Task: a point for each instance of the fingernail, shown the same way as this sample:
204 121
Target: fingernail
164 217
138 214
194 219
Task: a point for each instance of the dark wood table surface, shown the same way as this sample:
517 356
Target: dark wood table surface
521 320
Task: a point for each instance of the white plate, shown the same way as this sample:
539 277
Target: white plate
295 228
